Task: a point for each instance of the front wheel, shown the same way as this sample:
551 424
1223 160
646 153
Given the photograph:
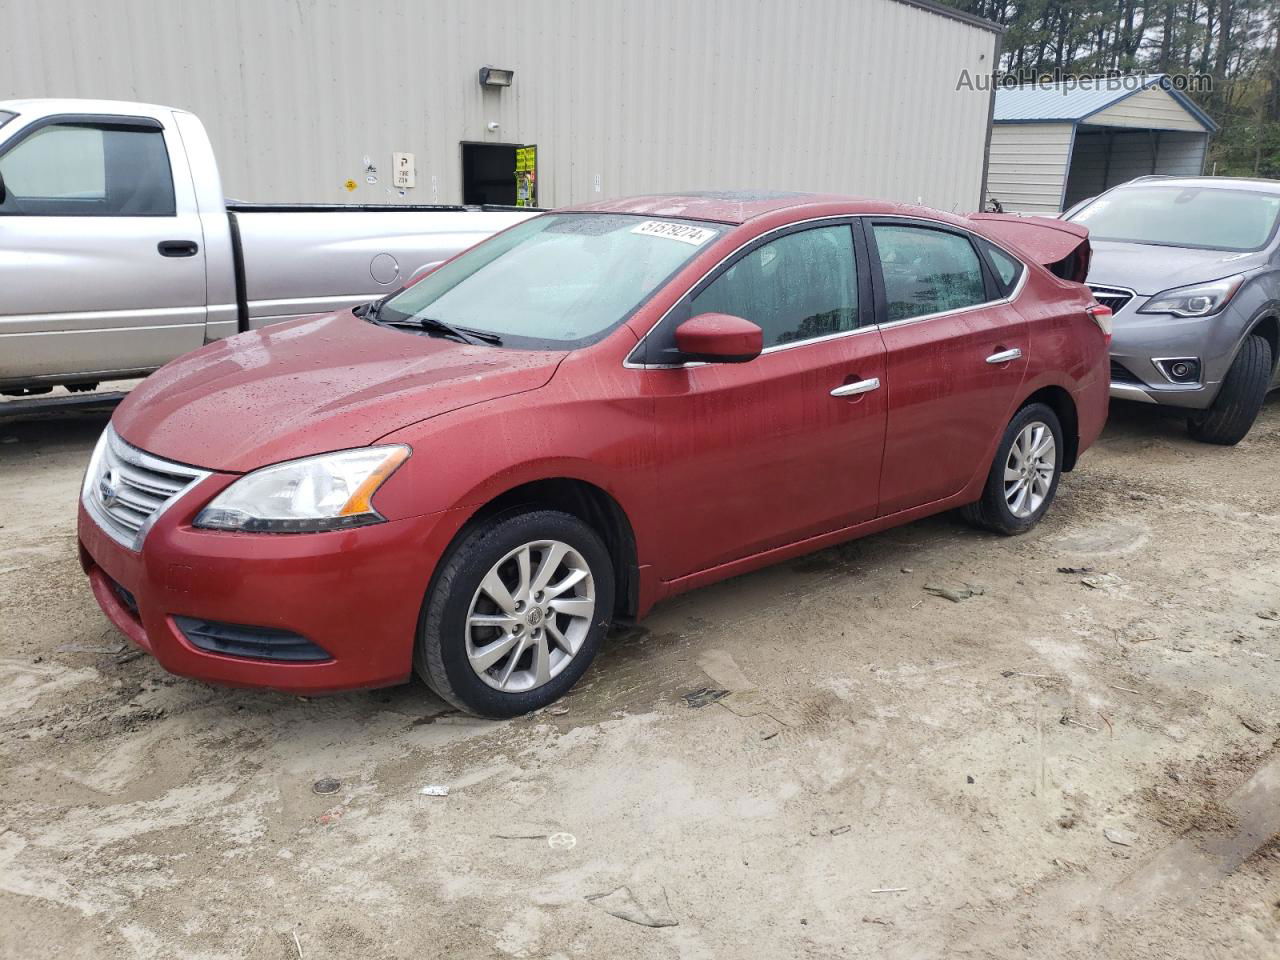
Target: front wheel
516 613
1024 475
1231 415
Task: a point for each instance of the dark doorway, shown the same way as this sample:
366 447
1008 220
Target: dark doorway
489 173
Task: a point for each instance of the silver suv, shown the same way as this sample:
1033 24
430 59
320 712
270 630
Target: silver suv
1191 269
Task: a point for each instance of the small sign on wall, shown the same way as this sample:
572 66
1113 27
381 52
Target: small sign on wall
403 174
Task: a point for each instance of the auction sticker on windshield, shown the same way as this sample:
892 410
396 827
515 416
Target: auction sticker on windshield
696 236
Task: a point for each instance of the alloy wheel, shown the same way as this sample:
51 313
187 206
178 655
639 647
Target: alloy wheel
1029 469
530 616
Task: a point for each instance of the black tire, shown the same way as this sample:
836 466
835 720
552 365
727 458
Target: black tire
1231 415
441 651
992 511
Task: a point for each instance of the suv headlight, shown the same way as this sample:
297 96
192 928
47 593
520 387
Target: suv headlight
1200 300
329 492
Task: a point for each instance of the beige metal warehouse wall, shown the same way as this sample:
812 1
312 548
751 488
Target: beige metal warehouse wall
856 96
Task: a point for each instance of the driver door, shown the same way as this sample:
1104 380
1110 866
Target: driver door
757 455
102 265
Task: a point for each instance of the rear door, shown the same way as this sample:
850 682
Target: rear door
101 259
786 446
956 352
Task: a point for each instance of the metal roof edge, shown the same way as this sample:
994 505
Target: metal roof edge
1193 108
943 10
1069 121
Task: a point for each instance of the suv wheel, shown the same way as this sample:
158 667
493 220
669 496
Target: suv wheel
1240 397
1024 475
516 613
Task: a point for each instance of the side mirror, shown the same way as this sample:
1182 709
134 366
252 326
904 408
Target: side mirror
719 338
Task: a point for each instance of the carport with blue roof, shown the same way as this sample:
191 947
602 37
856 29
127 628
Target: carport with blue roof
1053 145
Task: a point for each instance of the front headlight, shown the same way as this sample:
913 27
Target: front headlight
329 492
1201 300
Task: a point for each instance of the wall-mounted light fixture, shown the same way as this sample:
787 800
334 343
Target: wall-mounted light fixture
496 77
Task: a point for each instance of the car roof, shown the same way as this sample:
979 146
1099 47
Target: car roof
1222 183
739 206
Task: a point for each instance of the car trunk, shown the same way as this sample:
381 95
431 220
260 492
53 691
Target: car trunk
1060 247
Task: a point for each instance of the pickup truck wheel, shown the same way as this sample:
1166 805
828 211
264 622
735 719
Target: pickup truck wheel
1024 475
1231 415
516 613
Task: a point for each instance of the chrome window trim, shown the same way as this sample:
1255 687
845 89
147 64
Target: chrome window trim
147 461
1013 295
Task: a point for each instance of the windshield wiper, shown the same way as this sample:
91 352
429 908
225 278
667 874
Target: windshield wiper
370 312
462 333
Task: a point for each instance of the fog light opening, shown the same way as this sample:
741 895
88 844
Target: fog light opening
1180 369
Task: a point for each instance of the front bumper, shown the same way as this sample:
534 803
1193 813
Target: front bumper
1194 397
1140 339
355 593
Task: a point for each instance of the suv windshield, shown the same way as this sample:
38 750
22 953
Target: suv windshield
561 278
1208 218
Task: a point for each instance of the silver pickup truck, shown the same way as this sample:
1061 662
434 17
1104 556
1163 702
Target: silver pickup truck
119 253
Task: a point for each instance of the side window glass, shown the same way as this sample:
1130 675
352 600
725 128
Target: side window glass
927 271
1007 268
77 170
798 287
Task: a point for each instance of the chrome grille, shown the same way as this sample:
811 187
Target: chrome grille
1113 297
126 489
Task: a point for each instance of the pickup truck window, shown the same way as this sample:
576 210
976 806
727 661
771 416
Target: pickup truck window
82 170
563 279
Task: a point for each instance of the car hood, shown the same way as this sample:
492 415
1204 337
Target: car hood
313 385
1149 269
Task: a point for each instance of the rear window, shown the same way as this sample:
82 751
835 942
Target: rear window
927 271
1007 268
6 116
1207 218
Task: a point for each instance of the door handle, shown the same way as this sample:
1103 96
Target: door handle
852 389
1004 356
178 248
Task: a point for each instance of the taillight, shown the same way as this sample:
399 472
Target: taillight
1102 317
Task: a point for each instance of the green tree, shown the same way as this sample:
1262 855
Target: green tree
1236 43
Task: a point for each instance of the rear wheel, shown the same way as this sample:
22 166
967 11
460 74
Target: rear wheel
516 613
1024 475
1243 390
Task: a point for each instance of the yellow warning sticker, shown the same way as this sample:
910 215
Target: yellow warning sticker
350 185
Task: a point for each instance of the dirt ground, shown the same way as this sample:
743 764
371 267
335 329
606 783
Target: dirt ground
1068 765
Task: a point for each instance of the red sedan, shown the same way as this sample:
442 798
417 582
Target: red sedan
591 411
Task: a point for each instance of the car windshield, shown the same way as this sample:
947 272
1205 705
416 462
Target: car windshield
563 278
1209 218
6 116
